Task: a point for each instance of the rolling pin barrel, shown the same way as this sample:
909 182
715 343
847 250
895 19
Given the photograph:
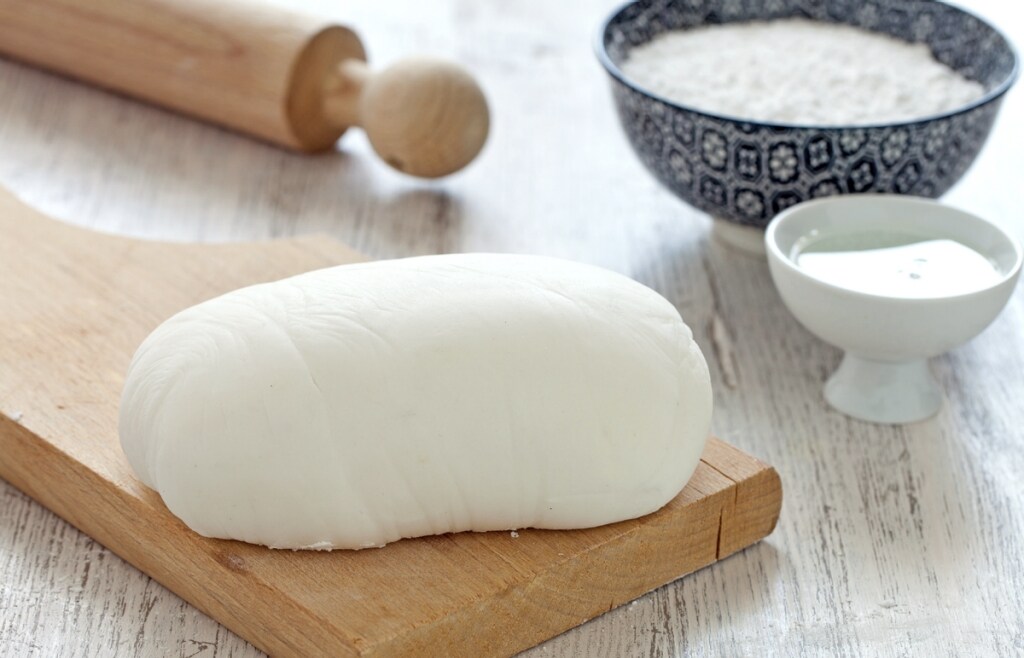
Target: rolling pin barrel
285 77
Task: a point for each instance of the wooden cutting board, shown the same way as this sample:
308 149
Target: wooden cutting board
74 304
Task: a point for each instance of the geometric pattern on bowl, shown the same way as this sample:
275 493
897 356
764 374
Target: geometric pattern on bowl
748 171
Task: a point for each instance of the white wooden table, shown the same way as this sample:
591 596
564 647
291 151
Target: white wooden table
893 540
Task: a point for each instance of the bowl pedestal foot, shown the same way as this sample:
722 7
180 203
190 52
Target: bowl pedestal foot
883 392
748 240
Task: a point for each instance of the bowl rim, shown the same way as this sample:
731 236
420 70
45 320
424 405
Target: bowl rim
778 258
987 97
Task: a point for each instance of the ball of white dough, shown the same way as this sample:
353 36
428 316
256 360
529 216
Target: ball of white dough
357 405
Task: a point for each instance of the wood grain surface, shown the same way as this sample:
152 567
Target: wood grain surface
893 541
76 304
231 62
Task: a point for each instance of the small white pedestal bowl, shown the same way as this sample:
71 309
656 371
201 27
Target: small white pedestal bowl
884 375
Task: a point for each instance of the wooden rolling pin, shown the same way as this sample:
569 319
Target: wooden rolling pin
286 77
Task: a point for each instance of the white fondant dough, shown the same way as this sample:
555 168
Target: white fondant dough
357 405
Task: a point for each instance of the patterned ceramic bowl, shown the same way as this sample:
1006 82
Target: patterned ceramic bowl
748 171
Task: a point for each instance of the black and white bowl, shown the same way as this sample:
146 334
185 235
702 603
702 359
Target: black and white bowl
748 171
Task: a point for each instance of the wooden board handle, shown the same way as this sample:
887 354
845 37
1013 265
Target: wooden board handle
285 77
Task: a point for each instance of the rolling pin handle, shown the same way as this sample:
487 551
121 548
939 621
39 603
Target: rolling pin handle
342 91
423 116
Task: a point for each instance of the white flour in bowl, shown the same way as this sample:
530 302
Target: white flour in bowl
799 71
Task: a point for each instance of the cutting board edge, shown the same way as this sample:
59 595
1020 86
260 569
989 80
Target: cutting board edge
714 509
19 221
51 465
